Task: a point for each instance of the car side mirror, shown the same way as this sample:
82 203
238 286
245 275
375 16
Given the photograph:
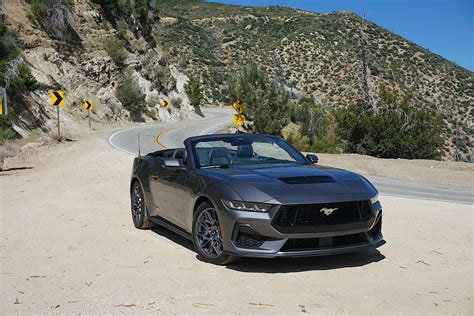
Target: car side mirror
312 158
171 163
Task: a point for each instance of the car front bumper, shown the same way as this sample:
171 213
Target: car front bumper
264 240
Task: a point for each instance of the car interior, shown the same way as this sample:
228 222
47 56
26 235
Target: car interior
210 156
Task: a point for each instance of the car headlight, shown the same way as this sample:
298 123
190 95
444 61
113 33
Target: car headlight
247 206
374 199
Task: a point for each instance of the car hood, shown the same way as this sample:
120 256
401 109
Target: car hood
293 184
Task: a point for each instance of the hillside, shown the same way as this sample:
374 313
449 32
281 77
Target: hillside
128 56
70 46
319 55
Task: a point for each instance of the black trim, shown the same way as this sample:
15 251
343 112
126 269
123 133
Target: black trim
170 226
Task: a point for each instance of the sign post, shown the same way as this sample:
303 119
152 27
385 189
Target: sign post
88 106
3 102
57 100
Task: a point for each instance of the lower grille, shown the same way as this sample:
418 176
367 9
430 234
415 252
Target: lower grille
245 240
318 243
306 218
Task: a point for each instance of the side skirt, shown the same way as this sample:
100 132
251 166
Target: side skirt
170 226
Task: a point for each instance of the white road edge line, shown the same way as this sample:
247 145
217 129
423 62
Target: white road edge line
210 128
120 148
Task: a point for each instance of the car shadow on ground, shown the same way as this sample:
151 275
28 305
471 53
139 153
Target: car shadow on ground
286 265
163 232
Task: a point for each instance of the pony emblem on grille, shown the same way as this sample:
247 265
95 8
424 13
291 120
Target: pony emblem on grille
328 211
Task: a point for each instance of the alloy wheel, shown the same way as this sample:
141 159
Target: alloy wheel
208 233
137 204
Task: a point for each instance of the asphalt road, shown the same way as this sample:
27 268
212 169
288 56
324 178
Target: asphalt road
171 135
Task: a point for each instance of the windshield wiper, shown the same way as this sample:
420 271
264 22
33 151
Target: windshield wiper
225 166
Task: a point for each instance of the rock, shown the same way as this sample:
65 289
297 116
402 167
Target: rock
115 106
181 79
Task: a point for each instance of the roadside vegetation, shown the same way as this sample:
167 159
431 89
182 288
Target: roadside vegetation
118 54
131 96
16 76
266 105
194 91
400 128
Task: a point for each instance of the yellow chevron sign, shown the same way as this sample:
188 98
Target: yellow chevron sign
57 98
238 107
239 119
165 103
88 105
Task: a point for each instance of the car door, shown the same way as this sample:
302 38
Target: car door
167 186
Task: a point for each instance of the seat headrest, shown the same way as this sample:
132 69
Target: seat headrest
245 151
219 152
219 156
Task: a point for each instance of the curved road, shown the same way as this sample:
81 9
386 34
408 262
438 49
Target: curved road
172 134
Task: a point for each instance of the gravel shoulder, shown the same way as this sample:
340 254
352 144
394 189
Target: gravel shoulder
428 172
68 246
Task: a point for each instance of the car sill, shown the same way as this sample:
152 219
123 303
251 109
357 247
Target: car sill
170 226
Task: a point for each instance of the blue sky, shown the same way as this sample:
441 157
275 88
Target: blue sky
445 27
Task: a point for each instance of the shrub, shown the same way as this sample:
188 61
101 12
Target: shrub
398 130
132 98
177 102
264 102
301 142
7 134
318 125
39 8
118 54
194 91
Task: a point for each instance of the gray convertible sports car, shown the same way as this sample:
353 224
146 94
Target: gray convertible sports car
250 195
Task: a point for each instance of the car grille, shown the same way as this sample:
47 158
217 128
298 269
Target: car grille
245 240
318 243
307 218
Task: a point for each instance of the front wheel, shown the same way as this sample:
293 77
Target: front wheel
207 237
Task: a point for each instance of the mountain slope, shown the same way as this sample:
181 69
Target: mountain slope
65 47
318 54
76 45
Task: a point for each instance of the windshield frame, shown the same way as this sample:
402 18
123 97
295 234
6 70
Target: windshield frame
290 149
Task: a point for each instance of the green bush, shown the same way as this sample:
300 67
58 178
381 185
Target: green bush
265 104
7 133
116 51
177 102
301 142
318 125
24 81
397 130
132 98
194 91
39 8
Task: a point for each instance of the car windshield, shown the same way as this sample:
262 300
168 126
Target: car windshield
235 150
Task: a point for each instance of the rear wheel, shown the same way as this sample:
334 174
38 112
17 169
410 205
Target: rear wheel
207 237
139 209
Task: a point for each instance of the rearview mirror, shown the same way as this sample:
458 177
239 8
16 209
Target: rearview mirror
171 162
312 158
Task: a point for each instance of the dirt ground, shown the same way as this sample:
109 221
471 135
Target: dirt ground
68 245
431 172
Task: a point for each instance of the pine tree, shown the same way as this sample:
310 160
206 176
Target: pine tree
266 105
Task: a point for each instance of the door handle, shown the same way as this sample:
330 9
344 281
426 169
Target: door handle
155 176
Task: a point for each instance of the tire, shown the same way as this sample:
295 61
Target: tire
139 208
207 238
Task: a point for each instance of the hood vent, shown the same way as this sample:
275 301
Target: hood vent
307 179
